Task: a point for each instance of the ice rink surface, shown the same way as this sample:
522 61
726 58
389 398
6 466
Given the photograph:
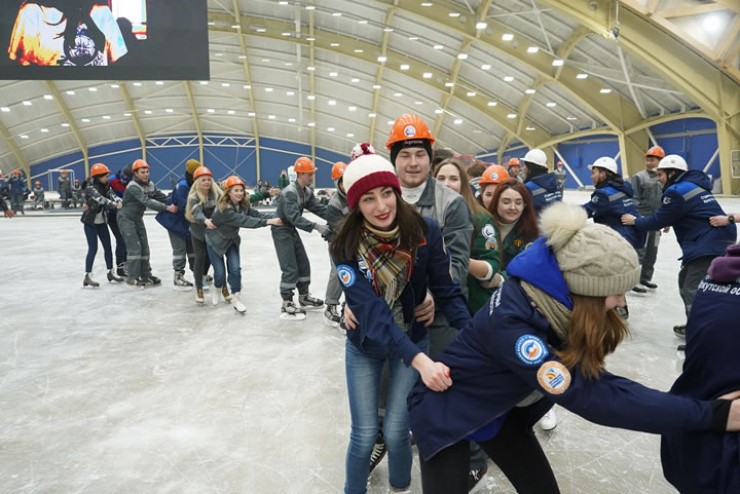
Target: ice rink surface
120 390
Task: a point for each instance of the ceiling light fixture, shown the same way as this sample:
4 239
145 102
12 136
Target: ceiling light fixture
557 63
481 25
507 37
582 76
533 49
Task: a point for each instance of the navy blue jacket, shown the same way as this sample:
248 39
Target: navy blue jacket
431 270
687 206
176 222
509 351
544 189
609 202
17 186
709 462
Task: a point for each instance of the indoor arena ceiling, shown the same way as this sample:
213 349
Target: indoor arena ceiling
328 73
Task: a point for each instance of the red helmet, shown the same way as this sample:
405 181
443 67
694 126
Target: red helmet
655 152
494 174
233 181
98 169
139 164
304 165
338 170
408 126
202 171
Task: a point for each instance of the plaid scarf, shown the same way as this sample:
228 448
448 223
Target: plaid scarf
390 264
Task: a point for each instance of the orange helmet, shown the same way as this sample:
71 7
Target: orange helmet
337 171
138 164
513 162
304 165
98 169
655 152
202 171
409 126
494 174
64 172
233 181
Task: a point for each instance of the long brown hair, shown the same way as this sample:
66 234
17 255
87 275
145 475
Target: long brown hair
594 333
473 205
225 201
526 225
411 225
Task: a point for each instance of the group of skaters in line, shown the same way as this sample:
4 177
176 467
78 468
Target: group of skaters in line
475 300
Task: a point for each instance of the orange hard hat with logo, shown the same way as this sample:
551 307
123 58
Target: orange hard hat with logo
494 174
202 171
656 152
139 164
98 169
513 162
408 126
304 165
338 170
233 181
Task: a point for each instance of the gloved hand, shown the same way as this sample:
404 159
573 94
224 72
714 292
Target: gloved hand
322 229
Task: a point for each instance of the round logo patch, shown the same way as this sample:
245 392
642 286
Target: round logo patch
409 131
553 377
530 349
346 275
488 231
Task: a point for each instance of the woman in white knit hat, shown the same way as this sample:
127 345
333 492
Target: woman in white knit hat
387 257
543 339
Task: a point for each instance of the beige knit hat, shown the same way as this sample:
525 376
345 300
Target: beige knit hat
594 259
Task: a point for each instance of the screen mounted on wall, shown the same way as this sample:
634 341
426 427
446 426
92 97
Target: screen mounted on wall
104 39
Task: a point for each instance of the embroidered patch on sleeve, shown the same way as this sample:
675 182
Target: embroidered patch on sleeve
346 275
553 377
530 349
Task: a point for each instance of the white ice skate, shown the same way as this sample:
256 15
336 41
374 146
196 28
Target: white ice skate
290 312
237 303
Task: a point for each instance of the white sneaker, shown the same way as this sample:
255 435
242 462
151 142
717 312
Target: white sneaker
216 296
237 303
549 421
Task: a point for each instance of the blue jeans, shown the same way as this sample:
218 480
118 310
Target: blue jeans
92 234
363 380
232 264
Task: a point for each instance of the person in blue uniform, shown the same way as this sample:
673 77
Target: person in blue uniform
543 339
708 462
542 185
611 199
387 257
687 205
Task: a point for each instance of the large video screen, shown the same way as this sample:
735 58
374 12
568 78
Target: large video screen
104 39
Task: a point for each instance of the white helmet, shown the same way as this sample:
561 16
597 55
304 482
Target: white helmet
606 163
673 162
536 157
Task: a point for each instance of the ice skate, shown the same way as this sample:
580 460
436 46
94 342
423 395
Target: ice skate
136 283
122 270
237 304
180 281
548 421
331 315
225 293
113 277
307 302
199 298
153 279
290 312
88 281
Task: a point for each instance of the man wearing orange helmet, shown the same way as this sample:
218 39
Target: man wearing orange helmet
140 194
647 196
38 195
336 210
294 264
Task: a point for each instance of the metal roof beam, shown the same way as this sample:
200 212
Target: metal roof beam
71 121
131 107
22 161
196 118
237 19
379 74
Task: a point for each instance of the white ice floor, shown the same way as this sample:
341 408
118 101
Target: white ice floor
118 390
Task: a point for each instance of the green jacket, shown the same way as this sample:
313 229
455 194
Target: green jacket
484 247
512 245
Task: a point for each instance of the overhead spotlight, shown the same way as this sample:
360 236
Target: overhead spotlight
614 33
